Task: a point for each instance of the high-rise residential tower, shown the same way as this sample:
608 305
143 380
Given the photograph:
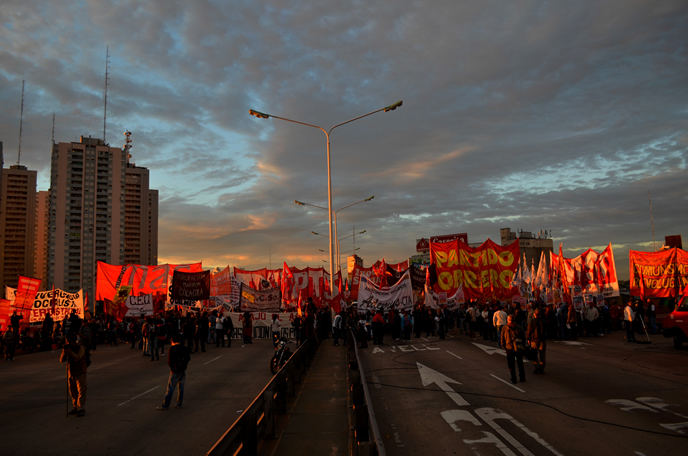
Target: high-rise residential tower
17 224
101 209
87 185
42 238
141 218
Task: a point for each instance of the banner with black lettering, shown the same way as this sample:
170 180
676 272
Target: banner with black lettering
188 286
64 304
252 300
399 296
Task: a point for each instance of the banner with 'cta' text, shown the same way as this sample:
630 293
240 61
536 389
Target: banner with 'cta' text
486 272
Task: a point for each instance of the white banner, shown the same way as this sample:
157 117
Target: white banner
64 303
139 305
433 300
398 297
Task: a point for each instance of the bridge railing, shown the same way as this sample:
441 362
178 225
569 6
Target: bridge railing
367 440
258 420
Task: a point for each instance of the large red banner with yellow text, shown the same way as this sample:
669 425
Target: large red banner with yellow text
658 274
486 272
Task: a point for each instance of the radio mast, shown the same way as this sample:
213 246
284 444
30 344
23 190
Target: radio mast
652 220
21 121
107 67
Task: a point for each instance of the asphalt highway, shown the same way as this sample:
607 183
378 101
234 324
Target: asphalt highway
124 387
597 396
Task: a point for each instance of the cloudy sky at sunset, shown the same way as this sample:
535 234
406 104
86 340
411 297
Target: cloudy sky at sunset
533 115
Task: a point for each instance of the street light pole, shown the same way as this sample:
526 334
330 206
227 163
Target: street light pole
262 115
336 225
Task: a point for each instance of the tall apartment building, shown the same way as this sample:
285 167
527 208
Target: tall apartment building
40 259
141 218
87 202
17 224
101 209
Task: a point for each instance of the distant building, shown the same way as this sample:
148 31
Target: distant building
17 224
86 212
529 244
42 239
141 218
101 209
351 262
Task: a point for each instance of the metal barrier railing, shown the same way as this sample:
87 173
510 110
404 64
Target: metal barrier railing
367 438
258 420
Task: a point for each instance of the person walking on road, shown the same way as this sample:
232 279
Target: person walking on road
228 327
336 329
499 321
178 360
74 354
535 337
513 341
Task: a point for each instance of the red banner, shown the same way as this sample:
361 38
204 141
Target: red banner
486 272
142 279
594 272
658 274
221 283
27 288
260 279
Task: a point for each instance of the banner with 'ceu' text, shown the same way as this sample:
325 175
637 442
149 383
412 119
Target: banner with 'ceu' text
486 272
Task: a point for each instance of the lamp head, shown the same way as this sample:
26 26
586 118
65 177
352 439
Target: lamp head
299 203
260 115
368 199
394 106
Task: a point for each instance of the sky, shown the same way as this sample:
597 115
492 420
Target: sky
529 115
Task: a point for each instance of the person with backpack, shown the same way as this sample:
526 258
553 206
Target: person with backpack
178 360
74 354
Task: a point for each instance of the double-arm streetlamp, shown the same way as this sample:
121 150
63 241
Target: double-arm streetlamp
338 245
262 115
336 234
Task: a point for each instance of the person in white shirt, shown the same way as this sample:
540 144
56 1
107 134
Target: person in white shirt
499 321
629 317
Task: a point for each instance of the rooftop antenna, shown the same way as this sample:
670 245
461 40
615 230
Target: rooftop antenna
21 121
107 67
127 145
652 220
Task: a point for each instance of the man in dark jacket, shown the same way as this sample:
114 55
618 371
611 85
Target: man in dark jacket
178 360
535 337
74 354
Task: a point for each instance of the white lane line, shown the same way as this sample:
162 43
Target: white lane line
453 354
426 340
376 381
213 360
504 381
139 395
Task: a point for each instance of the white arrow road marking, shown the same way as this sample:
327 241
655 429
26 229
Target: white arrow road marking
627 405
429 376
490 414
490 350
491 438
659 404
675 426
452 416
